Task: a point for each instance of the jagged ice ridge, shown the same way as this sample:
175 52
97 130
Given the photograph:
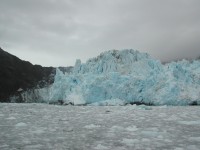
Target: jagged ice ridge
124 77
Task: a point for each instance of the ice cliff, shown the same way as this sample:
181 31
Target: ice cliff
124 77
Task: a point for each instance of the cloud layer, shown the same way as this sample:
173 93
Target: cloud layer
56 33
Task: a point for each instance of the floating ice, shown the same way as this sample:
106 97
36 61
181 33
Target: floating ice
196 122
101 147
11 118
132 128
130 142
21 124
92 126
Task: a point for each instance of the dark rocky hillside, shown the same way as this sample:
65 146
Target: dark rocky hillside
17 75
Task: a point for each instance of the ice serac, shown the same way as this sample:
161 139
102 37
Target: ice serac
126 77
123 62
112 75
182 83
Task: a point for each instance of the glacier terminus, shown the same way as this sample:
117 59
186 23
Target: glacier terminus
121 77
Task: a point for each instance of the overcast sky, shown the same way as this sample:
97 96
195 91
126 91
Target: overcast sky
57 32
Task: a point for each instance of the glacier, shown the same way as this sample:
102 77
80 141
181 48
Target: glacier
121 77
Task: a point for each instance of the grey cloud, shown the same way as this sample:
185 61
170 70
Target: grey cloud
51 32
